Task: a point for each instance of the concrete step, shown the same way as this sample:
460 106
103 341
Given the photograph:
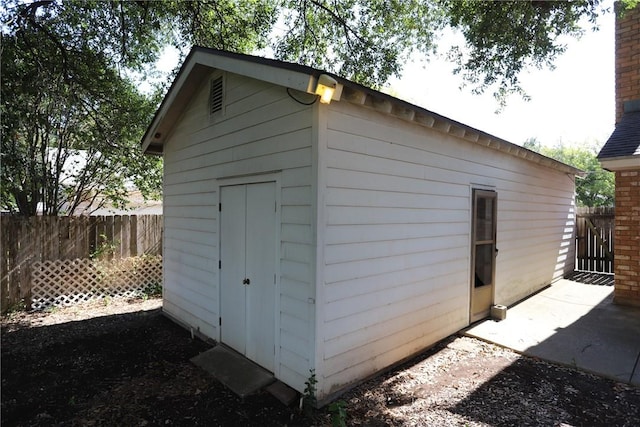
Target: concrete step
235 371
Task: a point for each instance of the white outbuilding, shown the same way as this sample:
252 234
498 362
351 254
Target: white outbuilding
345 234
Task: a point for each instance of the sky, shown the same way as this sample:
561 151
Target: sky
571 104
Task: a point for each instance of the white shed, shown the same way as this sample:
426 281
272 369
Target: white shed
342 237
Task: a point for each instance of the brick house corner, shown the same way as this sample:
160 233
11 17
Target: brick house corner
621 154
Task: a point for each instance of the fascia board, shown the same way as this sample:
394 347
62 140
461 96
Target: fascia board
620 163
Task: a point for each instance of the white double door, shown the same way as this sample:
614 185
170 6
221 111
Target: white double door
248 270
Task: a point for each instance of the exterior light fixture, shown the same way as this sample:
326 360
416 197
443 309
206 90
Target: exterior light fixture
325 88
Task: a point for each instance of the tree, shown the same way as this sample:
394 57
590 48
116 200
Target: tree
70 128
505 37
597 187
367 41
70 70
72 116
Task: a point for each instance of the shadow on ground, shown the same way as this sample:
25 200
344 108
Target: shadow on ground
602 338
133 369
590 278
127 369
479 386
528 393
463 381
575 324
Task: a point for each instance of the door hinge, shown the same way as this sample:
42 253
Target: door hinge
274 279
219 207
219 264
219 321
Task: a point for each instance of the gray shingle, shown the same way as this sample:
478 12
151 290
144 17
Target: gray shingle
625 139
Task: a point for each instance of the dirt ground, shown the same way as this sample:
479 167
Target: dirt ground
123 363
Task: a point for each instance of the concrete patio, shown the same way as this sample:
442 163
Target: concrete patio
572 323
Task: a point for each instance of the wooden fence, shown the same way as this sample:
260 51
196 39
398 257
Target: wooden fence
595 239
26 241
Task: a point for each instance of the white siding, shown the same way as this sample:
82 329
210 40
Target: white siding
396 251
263 130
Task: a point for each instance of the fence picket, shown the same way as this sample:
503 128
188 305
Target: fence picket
117 236
133 240
126 236
109 237
24 258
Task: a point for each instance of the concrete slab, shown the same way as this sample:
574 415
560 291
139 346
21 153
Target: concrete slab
573 324
238 373
283 393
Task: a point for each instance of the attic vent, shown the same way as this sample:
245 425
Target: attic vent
215 96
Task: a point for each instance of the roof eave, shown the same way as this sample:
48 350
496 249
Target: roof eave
361 95
620 163
201 61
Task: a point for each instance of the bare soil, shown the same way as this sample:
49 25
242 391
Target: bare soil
123 363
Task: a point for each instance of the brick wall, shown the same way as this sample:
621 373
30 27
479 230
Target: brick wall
627 228
627 238
627 58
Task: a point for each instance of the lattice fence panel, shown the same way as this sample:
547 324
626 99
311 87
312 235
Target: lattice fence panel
66 282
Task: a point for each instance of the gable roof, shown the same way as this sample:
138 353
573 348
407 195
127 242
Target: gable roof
199 64
201 61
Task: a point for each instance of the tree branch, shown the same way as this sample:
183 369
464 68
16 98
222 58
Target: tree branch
31 8
123 37
346 27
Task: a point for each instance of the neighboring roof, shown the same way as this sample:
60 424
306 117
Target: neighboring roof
136 205
200 61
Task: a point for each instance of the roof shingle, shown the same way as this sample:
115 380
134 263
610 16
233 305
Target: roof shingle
625 139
